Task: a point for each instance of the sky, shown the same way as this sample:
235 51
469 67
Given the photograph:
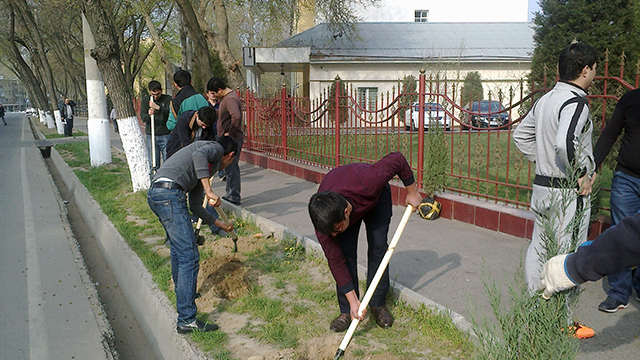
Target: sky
454 10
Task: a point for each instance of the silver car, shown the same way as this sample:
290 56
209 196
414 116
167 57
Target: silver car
434 113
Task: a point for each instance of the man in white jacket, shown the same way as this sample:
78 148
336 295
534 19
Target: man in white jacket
556 136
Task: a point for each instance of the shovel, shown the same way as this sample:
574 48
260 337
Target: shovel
223 216
374 283
234 235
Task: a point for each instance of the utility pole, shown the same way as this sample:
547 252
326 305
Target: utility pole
98 120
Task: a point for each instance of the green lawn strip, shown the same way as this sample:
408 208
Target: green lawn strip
73 133
303 309
53 133
304 306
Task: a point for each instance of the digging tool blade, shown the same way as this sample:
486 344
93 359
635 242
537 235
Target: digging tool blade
234 235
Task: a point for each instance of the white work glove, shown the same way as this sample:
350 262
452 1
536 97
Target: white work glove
554 278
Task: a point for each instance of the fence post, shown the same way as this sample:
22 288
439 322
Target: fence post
421 95
248 117
283 120
337 88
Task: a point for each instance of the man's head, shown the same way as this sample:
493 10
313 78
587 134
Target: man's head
67 100
182 78
155 89
230 149
206 116
329 212
578 61
215 86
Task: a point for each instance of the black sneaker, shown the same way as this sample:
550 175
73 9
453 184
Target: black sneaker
612 305
196 325
234 202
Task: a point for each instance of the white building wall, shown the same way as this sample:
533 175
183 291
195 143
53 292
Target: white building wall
496 77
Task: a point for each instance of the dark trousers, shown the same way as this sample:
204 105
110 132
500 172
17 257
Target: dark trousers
68 127
233 177
376 223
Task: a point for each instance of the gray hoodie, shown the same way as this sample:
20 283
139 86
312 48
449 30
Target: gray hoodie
557 132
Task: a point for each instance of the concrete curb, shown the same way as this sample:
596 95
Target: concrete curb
108 338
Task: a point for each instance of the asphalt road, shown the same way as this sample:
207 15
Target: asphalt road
48 308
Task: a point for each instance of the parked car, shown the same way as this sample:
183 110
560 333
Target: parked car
433 113
485 114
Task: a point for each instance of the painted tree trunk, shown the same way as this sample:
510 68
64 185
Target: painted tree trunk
98 121
136 151
57 118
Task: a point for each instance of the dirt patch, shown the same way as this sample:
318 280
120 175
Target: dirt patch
223 276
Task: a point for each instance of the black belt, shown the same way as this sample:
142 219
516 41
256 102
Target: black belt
166 185
552 182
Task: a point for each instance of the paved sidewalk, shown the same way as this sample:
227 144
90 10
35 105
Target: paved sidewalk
443 260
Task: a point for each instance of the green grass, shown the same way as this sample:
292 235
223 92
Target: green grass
73 133
299 304
302 309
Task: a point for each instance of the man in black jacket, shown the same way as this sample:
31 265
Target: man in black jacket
67 112
625 187
186 99
2 114
158 105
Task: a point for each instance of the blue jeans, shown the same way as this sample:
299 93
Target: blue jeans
170 205
625 201
233 177
161 150
376 223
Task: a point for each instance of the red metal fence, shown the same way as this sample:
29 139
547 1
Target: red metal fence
482 160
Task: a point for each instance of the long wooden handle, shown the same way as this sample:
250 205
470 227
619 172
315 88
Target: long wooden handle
204 206
223 216
153 141
376 279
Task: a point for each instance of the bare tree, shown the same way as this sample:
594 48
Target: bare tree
37 49
107 55
18 65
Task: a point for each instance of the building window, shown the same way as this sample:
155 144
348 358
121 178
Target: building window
422 15
367 97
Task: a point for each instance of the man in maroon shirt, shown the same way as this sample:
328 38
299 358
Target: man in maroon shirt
348 196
